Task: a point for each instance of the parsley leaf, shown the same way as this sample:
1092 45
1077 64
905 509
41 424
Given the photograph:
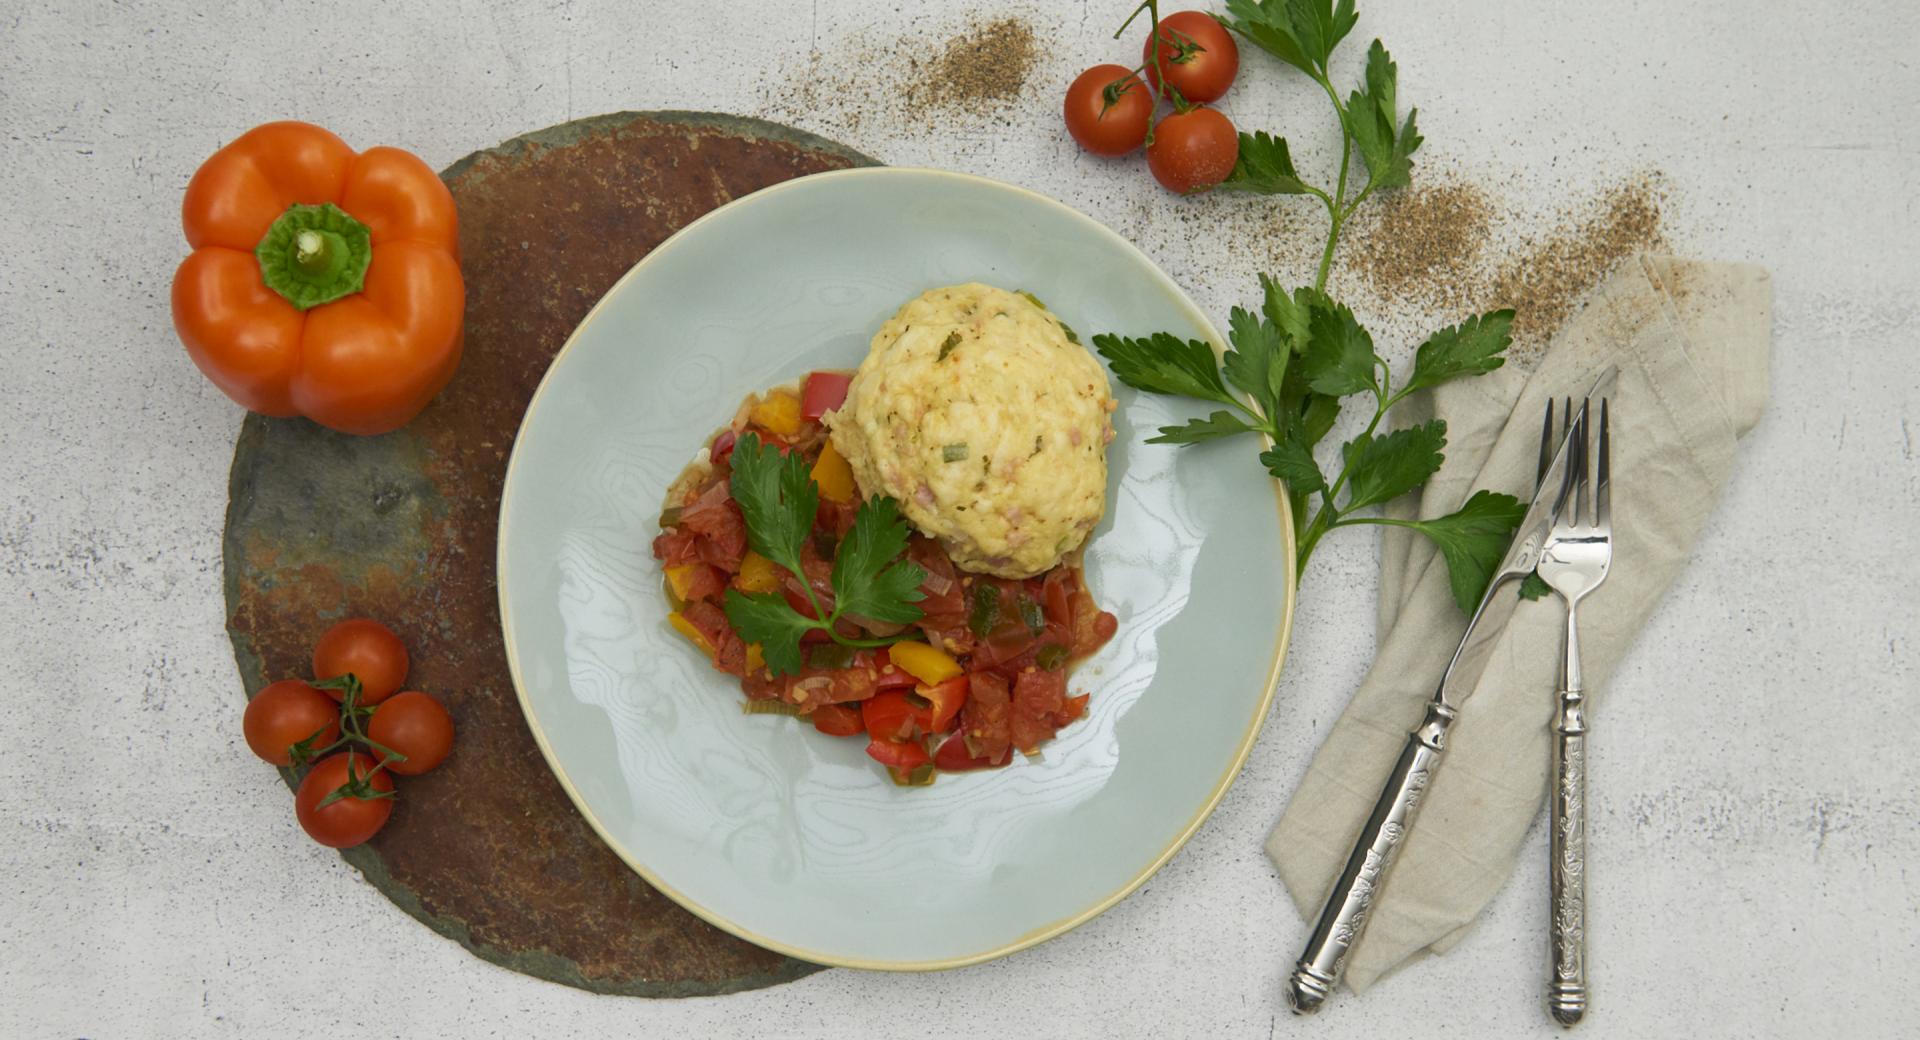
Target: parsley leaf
1220 424
1293 315
1473 540
1293 463
768 619
1372 118
1339 358
1382 468
1467 349
1258 350
1165 364
1265 167
777 497
1318 417
779 500
1534 586
1302 33
866 581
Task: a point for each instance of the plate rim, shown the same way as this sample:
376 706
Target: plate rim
1032 937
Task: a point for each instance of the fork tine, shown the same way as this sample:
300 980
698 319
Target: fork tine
1577 511
1603 488
1546 448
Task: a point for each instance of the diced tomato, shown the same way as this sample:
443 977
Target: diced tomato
944 703
724 555
1009 640
716 516
729 651
1092 627
1038 696
888 716
892 676
953 756
984 718
837 721
1073 709
676 547
1057 595
815 687
732 656
697 581
943 594
722 447
835 519
900 754
824 392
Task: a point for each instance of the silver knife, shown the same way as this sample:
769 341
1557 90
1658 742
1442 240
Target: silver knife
1348 905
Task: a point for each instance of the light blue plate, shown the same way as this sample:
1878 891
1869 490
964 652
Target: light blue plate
795 840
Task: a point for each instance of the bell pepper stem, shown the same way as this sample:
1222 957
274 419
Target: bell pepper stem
310 252
314 255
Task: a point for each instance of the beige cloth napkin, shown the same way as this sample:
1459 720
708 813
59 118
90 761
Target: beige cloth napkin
1691 340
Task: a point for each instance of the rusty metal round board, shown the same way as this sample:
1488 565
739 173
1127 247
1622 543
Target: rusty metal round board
487 849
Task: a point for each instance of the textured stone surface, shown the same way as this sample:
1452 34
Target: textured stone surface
1756 850
488 850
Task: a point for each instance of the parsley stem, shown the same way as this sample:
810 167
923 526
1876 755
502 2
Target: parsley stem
1383 521
1326 519
867 644
1337 208
1261 423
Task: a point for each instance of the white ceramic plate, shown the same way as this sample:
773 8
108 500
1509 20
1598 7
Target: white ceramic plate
781 835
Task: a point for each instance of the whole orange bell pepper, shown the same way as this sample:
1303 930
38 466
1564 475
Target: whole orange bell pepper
322 282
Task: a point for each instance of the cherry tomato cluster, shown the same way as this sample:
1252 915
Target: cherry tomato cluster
354 726
1110 111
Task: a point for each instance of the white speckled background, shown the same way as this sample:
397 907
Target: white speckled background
1756 846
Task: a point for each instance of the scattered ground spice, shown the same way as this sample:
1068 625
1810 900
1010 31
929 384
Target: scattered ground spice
907 83
1434 253
978 71
1416 244
1545 281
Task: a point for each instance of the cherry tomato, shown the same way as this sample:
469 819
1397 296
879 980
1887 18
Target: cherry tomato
286 713
369 650
349 820
824 392
1192 150
900 754
838 720
1108 110
1197 54
415 725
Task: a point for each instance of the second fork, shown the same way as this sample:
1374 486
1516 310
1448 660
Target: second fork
1575 560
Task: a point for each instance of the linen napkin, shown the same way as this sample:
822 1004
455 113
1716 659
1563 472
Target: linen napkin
1691 340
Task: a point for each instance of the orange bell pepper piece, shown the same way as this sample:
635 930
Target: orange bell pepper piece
834 475
322 282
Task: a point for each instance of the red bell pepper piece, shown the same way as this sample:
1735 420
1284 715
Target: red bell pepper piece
824 392
899 754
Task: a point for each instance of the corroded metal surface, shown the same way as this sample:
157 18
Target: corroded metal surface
487 849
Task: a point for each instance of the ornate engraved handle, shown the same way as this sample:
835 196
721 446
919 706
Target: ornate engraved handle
1351 900
1567 989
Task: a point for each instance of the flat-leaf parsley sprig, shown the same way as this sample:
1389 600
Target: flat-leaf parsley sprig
779 501
1294 359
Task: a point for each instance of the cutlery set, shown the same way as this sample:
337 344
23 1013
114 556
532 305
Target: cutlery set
1566 537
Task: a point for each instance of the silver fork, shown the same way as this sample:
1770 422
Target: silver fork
1574 561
